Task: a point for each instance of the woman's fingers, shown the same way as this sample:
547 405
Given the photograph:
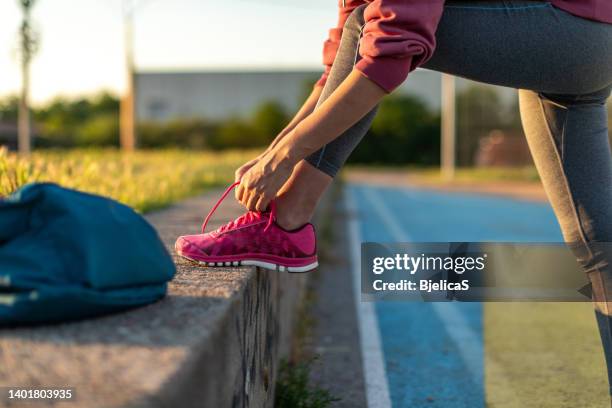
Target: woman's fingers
251 201
240 172
262 203
240 192
244 168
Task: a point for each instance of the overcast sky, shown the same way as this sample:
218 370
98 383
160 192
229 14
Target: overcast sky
82 50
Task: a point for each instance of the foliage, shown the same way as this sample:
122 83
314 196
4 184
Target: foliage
267 122
479 111
9 108
62 121
259 130
234 132
144 180
94 122
101 130
188 133
28 37
404 131
293 388
469 175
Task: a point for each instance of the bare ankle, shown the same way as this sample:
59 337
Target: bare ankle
289 220
299 197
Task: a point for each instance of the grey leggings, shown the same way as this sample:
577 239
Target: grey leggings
562 66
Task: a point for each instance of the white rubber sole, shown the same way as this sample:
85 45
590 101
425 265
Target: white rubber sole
252 262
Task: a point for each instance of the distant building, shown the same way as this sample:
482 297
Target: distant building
161 96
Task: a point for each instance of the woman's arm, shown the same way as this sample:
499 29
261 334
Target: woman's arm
355 97
330 49
306 109
399 36
332 43
352 100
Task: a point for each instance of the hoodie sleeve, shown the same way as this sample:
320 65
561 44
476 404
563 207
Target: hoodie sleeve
330 47
398 37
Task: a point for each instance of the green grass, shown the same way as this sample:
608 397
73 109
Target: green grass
294 387
144 180
543 355
294 390
465 174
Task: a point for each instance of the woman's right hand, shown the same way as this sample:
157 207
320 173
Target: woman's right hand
244 168
305 110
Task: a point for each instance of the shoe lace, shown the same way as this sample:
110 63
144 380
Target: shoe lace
243 219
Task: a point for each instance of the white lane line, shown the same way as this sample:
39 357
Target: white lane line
464 337
383 212
376 383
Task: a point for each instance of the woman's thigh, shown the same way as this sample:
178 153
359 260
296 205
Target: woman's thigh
523 44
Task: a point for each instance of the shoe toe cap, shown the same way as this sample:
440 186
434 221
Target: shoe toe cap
184 244
195 244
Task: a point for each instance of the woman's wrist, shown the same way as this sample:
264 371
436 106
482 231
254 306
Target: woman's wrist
285 152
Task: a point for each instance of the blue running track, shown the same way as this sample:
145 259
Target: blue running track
433 352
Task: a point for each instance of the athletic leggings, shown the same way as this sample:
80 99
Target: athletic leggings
562 66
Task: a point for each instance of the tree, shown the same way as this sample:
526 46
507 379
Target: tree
404 131
479 110
267 122
28 45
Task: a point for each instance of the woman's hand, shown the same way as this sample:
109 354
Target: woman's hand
305 110
260 183
245 167
356 96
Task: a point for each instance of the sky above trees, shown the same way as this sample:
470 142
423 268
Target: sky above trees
81 48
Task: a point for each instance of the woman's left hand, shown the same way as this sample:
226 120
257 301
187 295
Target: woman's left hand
259 185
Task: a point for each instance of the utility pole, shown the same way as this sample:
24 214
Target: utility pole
28 45
449 130
24 131
127 115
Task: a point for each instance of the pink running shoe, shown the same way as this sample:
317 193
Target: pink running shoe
252 239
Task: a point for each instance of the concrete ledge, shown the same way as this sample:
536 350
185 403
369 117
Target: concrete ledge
215 341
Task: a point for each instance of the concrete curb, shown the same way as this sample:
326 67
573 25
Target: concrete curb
214 341
236 365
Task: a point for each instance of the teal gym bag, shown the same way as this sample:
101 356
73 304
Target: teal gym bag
68 255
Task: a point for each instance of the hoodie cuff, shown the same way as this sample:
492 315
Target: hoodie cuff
386 72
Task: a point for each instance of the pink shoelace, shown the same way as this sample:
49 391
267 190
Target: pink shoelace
243 219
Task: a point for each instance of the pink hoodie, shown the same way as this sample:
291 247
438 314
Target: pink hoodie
399 35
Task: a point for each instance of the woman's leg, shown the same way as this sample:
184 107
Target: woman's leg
523 44
568 139
298 198
565 61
